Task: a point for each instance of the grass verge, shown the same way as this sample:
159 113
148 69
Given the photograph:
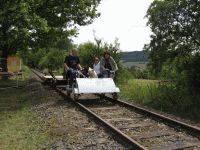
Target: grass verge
138 90
18 123
162 96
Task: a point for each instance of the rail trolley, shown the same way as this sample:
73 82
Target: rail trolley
85 85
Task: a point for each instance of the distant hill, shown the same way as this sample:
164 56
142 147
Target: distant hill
137 59
135 56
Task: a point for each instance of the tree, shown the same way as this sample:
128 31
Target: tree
14 34
52 60
88 51
114 49
175 39
33 24
175 27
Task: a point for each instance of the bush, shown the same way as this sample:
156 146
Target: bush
184 71
162 95
123 75
44 59
53 60
175 100
87 52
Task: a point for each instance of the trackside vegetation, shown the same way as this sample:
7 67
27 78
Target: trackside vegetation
18 123
162 96
175 53
174 60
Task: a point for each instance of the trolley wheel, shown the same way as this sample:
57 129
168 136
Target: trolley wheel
102 95
115 96
53 83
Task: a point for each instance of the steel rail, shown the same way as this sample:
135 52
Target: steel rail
195 130
37 73
134 144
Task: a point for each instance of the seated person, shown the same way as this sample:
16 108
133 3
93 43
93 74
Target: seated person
108 65
96 66
72 65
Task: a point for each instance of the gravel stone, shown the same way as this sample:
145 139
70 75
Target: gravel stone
67 127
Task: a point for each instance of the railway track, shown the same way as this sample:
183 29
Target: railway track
138 127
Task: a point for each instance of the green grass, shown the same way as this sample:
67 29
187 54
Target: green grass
138 90
162 96
18 123
12 81
18 130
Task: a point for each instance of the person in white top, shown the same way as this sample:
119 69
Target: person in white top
96 66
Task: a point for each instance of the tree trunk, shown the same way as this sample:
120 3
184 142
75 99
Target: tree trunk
5 57
5 47
4 63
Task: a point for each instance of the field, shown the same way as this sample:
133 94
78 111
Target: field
137 65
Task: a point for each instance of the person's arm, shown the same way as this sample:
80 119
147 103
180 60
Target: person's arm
97 68
80 67
65 66
114 64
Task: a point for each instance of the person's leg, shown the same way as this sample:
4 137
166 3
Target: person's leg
109 74
74 74
65 75
69 73
70 76
105 74
115 76
100 75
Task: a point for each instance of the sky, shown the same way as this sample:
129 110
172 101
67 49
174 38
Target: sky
122 19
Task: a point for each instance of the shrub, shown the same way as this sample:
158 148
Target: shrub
53 60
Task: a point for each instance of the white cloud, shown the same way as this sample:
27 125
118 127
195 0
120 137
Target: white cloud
123 19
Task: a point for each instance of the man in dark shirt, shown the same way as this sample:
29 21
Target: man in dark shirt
72 64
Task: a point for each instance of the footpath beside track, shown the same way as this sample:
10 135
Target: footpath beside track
136 126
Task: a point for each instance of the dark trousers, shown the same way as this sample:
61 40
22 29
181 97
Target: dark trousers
72 73
108 73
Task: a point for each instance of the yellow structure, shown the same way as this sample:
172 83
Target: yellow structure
14 63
